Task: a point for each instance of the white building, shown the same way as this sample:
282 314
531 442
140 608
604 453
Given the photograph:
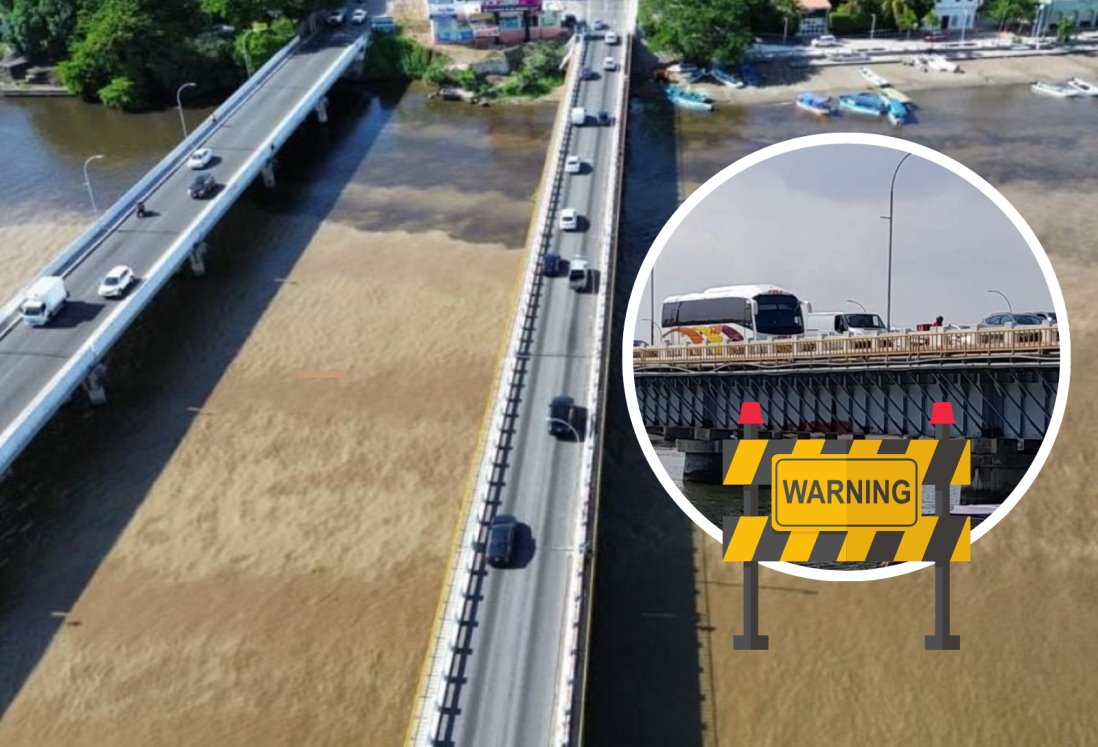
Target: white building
954 15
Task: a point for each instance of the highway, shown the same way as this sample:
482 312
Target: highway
516 654
31 357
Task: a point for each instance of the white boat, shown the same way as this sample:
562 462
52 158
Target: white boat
1083 87
872 77
942 65
1051 89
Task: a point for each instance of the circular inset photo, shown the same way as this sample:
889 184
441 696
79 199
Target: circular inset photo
855 337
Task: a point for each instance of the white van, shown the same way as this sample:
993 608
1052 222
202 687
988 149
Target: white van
43 300
841 323
579 116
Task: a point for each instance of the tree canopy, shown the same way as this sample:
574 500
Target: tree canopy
699 30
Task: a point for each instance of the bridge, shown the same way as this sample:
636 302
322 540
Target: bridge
1001 381
41 367
507 660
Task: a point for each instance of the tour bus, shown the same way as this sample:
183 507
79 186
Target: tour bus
731 313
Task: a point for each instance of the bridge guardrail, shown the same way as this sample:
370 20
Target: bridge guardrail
570 688
70 257
434 710
42 407
937 343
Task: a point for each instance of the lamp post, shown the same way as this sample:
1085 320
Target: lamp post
872 25
964 25
1004 295
87 182
859 303
179 105
653 329
244 48
891 207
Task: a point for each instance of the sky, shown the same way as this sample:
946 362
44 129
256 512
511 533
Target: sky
810 222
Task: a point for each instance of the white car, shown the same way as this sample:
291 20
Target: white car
611 37
610 64
358 17
825 40
200 159
569 219
336 18
117 282
573 165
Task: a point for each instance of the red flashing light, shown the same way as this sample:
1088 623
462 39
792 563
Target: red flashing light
942 414
751 414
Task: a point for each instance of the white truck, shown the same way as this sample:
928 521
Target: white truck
839 323
579 116
43 300
580 275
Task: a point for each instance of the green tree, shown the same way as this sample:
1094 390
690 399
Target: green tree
121 93
41 29
263 41
908 21
243 13
700 30
1065 30
1005 11
931 20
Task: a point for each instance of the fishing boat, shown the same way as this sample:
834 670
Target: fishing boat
900 96
1083 87
694 76
942 65
862 103
814 103
687 99
872 77
686 93
898 113
682 68
1051 89
725 77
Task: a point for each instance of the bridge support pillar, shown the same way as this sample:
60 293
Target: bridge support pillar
322 110
702 460
997 466
96 384
269 174
198 259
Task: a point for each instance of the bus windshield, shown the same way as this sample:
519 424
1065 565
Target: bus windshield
778 315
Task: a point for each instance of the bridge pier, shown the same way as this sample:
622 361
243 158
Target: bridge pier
998 465
95 384
702 461
269 174
198 259
322 110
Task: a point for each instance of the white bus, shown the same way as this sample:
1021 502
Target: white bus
731 313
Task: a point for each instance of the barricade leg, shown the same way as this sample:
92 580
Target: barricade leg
751 418
942 639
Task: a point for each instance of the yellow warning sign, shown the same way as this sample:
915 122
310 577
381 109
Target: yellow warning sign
838 491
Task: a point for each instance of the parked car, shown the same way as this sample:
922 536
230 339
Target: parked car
826 40
573 165
501 540
358 17
562 413
936 36
202 186
1048 316
610 64
604 118
569 219
336 18
1002 319
200 159
117 282
611 37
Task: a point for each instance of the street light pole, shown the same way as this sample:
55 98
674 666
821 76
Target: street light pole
653 329
1004 295
179 105
872 25
247 57
964 25
859 303
87 182
891 207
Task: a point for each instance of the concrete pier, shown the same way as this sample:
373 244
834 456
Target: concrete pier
998 465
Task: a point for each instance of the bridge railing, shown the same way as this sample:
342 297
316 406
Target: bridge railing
936 343
105 224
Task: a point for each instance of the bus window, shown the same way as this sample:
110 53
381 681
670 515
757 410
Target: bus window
778 315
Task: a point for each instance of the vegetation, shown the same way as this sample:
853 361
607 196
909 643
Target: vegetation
133 54
699 30
396 57
1065 30
1018 11
539 73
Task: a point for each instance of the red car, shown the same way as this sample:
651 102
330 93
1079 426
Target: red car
936 36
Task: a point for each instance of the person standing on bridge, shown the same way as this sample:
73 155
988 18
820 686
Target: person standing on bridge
938 322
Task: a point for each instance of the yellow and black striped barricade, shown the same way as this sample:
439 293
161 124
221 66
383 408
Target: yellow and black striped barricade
850 500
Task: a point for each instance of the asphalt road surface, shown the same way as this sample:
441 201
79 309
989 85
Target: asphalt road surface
514 665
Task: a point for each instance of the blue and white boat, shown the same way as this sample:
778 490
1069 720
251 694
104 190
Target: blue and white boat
869 104
814 103
694 75
750 76
688 99
723 76
898 113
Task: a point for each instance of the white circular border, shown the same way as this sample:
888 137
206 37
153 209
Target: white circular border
812 141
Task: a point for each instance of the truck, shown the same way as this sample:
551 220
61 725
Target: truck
840 323
579 116
43 300
579 275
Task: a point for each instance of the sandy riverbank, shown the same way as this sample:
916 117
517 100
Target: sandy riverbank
785 82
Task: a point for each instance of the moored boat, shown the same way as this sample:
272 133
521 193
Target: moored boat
687 99
1051 89
898 112
942 65
814 103
874 79
900 96
725 77
686 93
1083 87
750 75
862 103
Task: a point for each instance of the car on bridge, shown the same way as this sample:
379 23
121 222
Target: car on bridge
358 17
604 118
609 64
202 186
117 282
611 38
200 159
569 219
552 265
501 540
562 416
1003 319
573 165
336 18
